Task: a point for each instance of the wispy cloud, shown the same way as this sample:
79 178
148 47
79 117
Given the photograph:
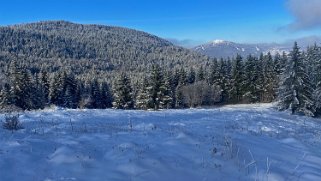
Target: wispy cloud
304 41
187 43
307 14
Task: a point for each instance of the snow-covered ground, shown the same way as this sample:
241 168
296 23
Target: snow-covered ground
252 142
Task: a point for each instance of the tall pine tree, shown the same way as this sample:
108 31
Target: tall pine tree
295 90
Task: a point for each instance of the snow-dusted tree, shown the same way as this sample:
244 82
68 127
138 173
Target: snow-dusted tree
250 74
5 97
70 99
106 96
237 87
158 92
56 89
214 77
165 93
317 99
314 62
223 80
179 97
269 78
45 84
23 92
96 94
191 76
295 89
123 93
143 99
200 74
182 76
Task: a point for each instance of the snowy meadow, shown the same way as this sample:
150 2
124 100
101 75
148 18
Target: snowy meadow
240 142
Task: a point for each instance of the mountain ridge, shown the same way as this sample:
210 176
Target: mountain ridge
224 49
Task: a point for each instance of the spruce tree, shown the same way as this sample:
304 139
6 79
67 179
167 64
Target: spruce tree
56 89
295 90
155 86
143 99
200 74
179 97
224 79
70 98
182 77
96 94
214 73
5 97
250 79
315 61
269 79
237 88
191 76
45 84
106 96
123 93
165 94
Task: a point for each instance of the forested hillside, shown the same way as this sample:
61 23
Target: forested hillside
48 45
92 66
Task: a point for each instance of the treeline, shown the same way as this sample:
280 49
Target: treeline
294 80
222 82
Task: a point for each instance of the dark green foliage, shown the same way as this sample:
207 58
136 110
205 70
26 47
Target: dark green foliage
106 96
200 74
143 99
251 93
191 76
295 91
157 93
237 81
123 93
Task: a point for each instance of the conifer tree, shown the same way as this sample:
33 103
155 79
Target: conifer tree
250 90
269 78
143 100
191 76
182 76
214 73
179 97
123 93
200 74
295 90
96 94
237 87
224 79
155 87
165 94
106 96
56 90
45 85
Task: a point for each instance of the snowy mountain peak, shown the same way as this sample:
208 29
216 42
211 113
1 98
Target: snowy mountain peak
219 41
221 48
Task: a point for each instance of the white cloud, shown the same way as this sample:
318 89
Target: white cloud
307 14
187 43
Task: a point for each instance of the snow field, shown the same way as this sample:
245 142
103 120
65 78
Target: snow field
244 142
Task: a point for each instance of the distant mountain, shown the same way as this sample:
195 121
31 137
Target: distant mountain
224 49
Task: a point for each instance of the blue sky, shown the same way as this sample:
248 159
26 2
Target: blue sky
186 21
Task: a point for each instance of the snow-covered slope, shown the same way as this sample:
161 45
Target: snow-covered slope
221 48
248 142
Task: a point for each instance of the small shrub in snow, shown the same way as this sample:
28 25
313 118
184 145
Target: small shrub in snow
12 123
